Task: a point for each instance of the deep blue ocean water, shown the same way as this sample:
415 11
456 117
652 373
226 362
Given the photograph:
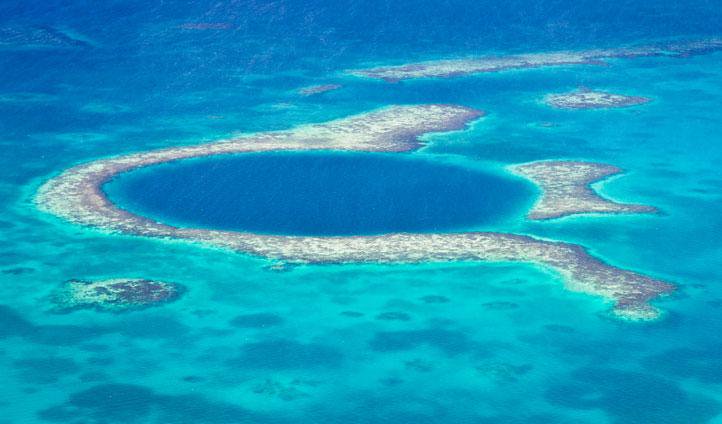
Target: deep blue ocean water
428 343
321 194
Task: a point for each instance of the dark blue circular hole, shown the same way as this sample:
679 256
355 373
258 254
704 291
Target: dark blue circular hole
301 193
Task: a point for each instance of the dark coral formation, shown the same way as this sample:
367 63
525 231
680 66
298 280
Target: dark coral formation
114 295
435 299
503 372
393 316
18 270
285 391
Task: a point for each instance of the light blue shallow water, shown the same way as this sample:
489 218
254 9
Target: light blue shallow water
432 343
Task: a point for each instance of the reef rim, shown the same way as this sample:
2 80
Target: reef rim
76 195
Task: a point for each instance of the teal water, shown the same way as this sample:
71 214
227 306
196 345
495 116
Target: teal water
321 194
428 343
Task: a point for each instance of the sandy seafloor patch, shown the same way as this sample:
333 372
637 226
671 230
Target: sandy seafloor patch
435 343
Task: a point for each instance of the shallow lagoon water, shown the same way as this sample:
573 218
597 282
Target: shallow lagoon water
321 194
492 343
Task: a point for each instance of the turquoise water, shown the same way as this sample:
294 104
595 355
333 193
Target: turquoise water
321 194
428 343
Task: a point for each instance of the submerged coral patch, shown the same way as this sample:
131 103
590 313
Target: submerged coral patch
588 99
393 316
318 89
435 299
131 403
114 295
459 67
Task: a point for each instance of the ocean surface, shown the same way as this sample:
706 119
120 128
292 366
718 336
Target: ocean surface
427 343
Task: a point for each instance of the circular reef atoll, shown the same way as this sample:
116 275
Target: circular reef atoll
447 68
113 295
77 195
588 99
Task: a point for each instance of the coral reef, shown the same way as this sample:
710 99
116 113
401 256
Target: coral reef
566 189
459 67
318 89
113 295
77 196
588 99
